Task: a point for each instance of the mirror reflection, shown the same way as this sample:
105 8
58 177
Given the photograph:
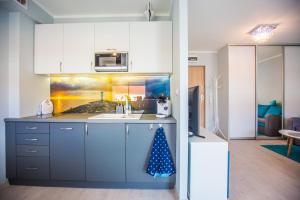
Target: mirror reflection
269 90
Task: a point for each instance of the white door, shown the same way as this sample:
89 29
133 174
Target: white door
78 48
112 36
150 47
242 91
48 48
292 81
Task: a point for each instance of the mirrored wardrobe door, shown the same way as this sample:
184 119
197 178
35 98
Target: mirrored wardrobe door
269 91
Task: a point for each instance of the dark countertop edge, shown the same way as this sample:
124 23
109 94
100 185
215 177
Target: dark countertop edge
145 119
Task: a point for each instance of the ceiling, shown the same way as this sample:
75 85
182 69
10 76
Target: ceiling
105 8
215 23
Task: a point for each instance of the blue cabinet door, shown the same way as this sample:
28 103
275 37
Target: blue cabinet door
138 148
67 161
105 152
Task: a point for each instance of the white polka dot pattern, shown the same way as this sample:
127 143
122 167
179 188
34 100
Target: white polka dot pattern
160 163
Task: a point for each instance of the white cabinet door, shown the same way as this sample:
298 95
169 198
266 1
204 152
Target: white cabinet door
78 48
112 36
150 47
48 50
241 91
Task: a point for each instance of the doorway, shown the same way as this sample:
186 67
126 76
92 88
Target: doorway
197 78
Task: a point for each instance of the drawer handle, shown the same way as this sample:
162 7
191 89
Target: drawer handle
32 168
31 151
31 128
31 139
66 129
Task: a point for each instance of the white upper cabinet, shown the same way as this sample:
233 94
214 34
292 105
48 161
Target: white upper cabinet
113 36
78 48
70 48
48 51
150 47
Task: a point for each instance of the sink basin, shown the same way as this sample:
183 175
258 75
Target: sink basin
116 116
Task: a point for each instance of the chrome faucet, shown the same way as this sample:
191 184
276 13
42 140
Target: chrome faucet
127 107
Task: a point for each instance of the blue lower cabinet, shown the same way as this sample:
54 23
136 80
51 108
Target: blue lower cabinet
67 159
138 148
105 152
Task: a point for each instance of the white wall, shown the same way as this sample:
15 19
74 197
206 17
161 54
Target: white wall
26 90
179 93
33 88
269 80
292 81
4 23
236 102
210 61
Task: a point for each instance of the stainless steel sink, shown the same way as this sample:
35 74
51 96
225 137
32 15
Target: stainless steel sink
117 116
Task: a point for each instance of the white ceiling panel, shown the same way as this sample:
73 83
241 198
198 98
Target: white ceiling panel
215 23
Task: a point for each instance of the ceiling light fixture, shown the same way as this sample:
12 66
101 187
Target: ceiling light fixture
261 33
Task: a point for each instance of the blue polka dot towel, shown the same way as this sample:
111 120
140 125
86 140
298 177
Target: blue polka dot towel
160 163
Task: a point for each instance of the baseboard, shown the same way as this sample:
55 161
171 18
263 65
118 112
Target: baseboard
242 138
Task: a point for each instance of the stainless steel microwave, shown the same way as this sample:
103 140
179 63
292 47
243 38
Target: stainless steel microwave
111 62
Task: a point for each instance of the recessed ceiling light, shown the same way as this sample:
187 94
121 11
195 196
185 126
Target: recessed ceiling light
261 33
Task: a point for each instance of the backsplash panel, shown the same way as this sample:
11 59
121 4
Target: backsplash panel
101 93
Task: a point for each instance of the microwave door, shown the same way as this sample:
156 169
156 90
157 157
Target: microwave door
107 61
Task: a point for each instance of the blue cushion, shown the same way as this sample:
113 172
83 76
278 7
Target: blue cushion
273 103
262 110
261 124
274 110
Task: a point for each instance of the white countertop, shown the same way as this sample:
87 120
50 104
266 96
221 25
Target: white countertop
209 137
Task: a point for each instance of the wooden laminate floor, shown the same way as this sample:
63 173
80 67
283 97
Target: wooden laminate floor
256 174
58 193
260 174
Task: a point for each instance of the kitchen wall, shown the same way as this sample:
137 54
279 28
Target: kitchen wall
26 90
101 93
210 61
4 36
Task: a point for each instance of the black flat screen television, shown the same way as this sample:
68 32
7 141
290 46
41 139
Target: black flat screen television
194 110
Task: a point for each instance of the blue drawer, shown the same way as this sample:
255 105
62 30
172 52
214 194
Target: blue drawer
30 150
32 139
32 127
33 168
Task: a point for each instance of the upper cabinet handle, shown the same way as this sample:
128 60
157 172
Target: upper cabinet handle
31 128
67 129
111 49
60 66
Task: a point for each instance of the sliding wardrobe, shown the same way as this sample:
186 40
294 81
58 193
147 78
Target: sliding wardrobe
257 90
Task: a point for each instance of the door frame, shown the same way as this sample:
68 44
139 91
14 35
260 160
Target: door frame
200 96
